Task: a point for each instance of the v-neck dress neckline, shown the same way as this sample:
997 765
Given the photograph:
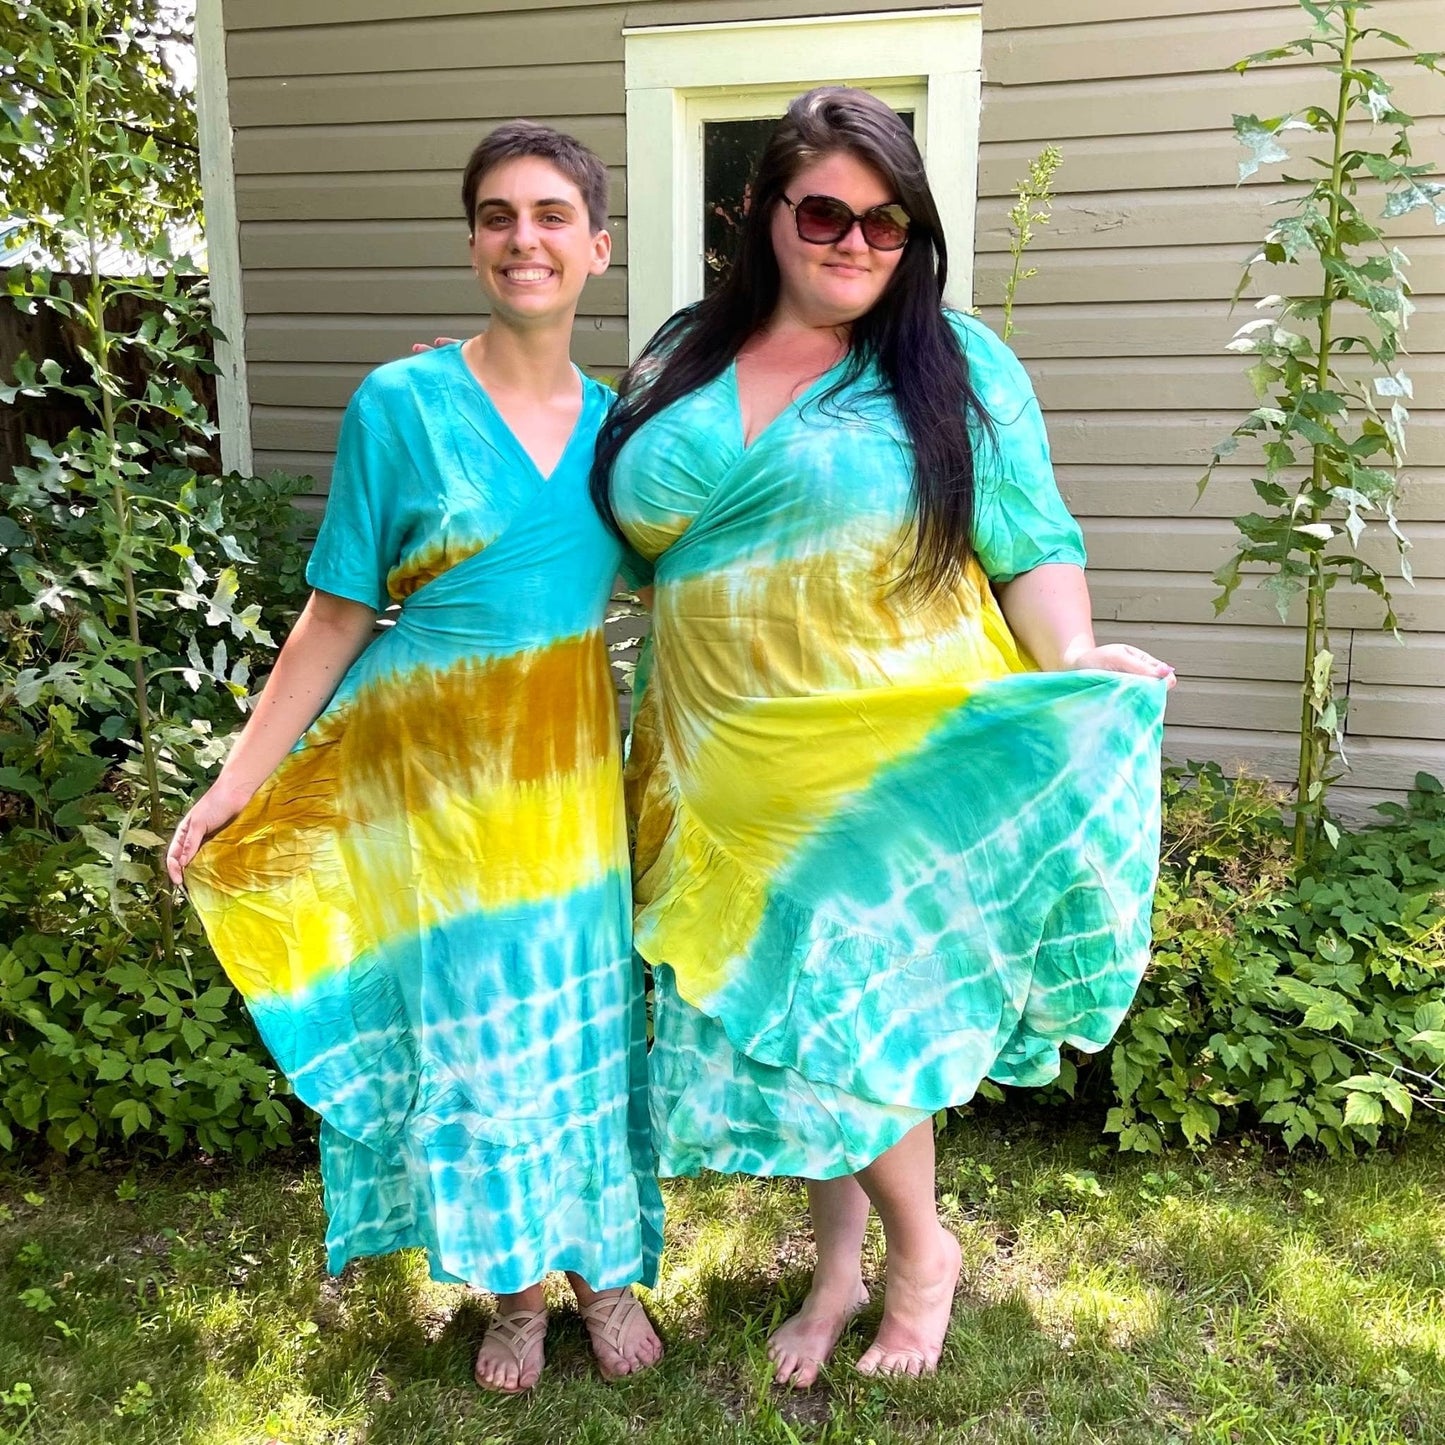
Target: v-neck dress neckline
504 427
791 408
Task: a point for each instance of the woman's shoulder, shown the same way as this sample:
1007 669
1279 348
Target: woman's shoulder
989 357
397 394
404 376
596 391
975 335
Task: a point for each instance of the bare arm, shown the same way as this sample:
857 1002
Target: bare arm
1048 610
328 637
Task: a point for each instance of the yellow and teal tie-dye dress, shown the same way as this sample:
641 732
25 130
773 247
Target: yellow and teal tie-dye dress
879 857
426 907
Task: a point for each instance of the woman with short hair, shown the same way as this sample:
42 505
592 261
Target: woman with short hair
418 874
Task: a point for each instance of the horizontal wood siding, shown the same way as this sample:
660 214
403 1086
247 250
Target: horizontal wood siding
352 125
353 122
1123 331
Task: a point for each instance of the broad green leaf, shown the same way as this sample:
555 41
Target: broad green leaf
1413 196
1331 1011
1362 1111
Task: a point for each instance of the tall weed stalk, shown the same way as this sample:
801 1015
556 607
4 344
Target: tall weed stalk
1326 369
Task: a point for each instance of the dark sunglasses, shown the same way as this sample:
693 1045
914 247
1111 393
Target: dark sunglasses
823 220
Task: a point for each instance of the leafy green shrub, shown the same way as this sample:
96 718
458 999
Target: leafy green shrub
100 1048
137 598
1314 1007
109 1030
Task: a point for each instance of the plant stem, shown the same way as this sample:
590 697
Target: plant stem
1037 185
100 340
1311 763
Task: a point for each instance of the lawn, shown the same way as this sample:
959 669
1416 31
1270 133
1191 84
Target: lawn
1234 1297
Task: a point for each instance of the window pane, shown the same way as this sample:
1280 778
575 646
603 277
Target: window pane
730 150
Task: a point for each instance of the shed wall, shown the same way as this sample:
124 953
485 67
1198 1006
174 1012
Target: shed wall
1123 330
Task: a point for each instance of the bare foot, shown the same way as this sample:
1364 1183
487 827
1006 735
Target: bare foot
917 1304
805 1342
623 1339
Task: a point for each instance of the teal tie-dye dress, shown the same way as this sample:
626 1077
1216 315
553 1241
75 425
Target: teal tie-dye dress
427 907
879 857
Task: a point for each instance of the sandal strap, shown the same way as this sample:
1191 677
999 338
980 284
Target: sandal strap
518 1332
610 1315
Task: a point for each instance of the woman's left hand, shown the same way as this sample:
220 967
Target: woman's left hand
1120 657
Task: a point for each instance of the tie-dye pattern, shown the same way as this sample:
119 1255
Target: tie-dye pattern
879 856
426 906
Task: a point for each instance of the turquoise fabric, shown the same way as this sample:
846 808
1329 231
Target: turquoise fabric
427 907
879 856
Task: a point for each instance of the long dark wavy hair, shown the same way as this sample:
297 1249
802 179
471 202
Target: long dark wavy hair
906 333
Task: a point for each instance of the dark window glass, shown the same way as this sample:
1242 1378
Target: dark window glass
730 150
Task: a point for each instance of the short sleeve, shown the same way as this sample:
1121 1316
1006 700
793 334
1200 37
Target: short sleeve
1020 521
359 541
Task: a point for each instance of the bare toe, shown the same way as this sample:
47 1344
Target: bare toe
805 1342
512 1353
916 1311
623 1338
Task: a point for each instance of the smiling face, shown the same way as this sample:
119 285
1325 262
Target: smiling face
833 284
532 245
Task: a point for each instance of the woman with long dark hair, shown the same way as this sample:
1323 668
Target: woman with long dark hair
896 812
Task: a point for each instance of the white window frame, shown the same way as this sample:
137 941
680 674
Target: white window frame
680 76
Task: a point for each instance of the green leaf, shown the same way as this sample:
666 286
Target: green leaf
1362 1111
79 776
1261 139
12 780
1199 1122
113 1067
1330 1011
1415 195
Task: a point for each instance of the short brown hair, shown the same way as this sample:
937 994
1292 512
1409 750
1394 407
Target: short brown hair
518 138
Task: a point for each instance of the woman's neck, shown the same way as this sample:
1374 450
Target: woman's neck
510 359
786 334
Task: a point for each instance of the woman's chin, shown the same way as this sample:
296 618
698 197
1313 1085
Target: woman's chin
843 297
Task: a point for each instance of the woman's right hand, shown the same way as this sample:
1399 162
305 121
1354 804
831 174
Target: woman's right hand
210 813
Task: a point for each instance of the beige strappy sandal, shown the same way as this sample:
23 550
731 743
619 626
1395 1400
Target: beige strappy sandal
516 1338
616 1318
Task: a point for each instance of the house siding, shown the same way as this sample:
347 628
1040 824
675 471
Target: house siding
350 135
1123 331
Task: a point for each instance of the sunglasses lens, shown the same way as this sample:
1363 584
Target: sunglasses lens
885 228
825 219
821 219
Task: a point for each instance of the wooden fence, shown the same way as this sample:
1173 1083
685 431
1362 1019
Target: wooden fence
44 335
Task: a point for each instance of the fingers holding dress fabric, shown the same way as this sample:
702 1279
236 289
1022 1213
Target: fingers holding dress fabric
212 811
1121 657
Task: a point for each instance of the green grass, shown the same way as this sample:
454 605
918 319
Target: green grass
1234 1297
